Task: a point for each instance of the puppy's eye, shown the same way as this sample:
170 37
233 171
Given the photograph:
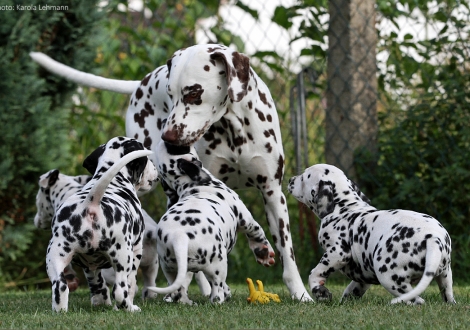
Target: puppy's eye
193 94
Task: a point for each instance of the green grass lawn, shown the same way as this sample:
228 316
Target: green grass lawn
32 309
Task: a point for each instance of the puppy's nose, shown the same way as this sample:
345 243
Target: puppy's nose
291 180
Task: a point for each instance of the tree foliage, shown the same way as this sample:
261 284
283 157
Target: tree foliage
422 159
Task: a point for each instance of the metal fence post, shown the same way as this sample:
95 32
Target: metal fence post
351 116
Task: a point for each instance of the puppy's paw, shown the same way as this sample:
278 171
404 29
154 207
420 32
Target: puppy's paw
264 255
321 293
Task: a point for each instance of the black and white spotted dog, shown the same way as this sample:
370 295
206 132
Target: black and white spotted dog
54 189
199 231
101 226
209 96
394 248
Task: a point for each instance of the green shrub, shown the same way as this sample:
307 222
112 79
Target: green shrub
422 162
34 114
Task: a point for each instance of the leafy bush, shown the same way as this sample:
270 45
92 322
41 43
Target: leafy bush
422 162
34 111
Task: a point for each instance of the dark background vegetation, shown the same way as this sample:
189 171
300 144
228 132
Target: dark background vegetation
421 160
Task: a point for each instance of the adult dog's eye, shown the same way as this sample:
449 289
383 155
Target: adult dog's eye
194 95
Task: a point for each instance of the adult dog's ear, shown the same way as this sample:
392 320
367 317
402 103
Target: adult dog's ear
355 187
137 166
191 169
237 71
91 162
324 198
49 179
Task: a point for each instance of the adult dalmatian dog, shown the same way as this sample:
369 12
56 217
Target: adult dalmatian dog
209 96
394 248
101 226
199 231
54 189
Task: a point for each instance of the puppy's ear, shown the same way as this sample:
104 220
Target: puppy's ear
191 169
324 198
176 150
355 187
168 65
197 162
49 179
137 166
91 162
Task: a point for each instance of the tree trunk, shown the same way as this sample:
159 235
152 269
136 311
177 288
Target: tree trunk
351 117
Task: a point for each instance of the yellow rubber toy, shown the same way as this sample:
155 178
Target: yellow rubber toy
259 296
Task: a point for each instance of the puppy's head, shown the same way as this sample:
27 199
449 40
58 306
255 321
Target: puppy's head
194 171
178 164
322 187
45 209
54 188
142 172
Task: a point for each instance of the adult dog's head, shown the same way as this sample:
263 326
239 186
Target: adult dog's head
141 172
324 188
202 81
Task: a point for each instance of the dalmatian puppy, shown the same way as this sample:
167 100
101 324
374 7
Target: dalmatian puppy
101 226
199 231
148 263
394 248
54 189
209 96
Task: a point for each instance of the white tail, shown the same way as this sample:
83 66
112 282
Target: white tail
83 78
433 260
97 191
180 246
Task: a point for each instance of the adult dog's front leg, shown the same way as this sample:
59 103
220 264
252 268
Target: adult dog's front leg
278 219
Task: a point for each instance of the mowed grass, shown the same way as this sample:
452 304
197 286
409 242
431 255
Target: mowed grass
32 310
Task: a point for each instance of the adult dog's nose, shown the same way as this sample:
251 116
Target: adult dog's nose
170 136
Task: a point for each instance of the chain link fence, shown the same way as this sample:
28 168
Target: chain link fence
344 93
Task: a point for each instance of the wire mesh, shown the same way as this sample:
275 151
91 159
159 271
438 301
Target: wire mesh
344 104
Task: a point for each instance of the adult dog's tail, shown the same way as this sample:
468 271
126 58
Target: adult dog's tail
83 78
180 246
96 192
433 260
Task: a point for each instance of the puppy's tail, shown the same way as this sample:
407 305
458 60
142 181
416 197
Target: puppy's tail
180 246
83 78
433 260
96 192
